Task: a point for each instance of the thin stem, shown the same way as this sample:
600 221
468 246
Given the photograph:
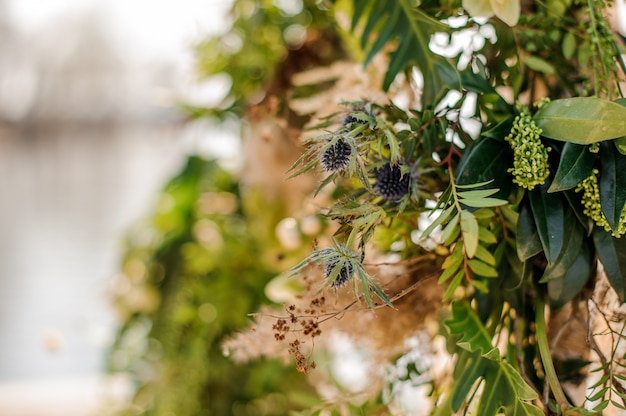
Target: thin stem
546 357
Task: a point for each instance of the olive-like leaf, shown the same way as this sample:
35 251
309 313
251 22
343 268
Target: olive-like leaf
569 45
469 228
582 120
537 64
612 254
549 219
575 165
482 269
612 184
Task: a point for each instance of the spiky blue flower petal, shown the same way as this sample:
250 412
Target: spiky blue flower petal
390 183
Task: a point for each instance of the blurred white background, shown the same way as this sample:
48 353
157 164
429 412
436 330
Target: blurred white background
88 135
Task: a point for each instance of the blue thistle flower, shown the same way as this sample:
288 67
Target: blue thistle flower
390 183
351 119
337 156
344 275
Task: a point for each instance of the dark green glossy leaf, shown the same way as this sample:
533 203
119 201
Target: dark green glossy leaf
575 165
562 289
476 83
487 160
612 183
573 199
620 144
549 219
572 242
612 254
528 242
500 130
582 120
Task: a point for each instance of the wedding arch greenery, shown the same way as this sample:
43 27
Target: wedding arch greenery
479 145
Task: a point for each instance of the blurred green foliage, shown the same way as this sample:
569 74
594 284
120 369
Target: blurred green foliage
267 42
191 276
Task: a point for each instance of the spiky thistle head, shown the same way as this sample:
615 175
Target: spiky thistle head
350 119
391 184
337 156
343 276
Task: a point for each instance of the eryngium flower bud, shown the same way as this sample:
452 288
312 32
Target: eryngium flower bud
351 119
344 275
390 183
337 156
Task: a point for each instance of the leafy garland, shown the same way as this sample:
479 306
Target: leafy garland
512 159
525 209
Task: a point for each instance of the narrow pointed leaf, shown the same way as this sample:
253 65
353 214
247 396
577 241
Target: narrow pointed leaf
562 289
528 242
445 214
575 165
484 202
612 254
570 250
612 184
549 219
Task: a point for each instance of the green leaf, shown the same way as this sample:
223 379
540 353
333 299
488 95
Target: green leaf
484 202
537 64
575 165
477 194
549 219
582 120
528 242
469 229
471 367
485 255
503 387
620 144
482 269
466 324
456 282
612 254
450 228
486 236
445 214
487 160
403 21
450 270
562 289
572 242
612 184
569 45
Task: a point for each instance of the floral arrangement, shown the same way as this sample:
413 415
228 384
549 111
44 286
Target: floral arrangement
469 162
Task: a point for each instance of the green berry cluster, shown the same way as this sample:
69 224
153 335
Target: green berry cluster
593 208
530 156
